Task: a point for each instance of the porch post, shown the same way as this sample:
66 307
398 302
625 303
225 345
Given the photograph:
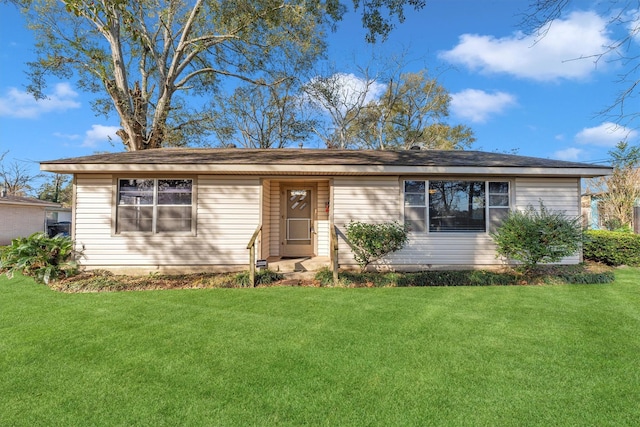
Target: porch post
334 253
252 256
252 265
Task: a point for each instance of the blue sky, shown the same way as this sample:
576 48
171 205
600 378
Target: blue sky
515 93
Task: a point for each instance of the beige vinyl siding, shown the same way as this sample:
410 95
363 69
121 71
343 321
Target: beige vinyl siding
265 236
274 220
322 222
427 250
558 194
377 200
92 215
229 208
369 199
227 215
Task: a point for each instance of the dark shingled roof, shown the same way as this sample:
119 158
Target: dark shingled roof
323 157
27 201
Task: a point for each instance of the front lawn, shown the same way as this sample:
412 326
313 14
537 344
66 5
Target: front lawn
509 356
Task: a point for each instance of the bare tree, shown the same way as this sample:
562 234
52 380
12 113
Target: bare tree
262 116
620 192
625 19
343 97
16 178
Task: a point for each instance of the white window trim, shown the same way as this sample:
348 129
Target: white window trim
486 180
154 205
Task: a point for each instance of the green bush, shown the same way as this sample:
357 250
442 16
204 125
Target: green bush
263 277
585 278
459 278
574 274
537 236
370 242
612 248
324 276
41 257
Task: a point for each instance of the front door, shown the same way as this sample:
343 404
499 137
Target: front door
297 225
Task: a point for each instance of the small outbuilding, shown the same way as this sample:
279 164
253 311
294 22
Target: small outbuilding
198 209
22 216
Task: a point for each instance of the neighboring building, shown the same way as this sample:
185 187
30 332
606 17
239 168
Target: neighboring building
593 212
591 208
197 209
22 216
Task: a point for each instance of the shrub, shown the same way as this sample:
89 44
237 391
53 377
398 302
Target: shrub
586 278
41 257
263 277
537 236
459 278
575 274
324 276
612 248
370 242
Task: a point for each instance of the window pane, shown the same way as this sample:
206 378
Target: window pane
415 218
499 187
414 186
457 206
174 191
414 200
173 218
134 218
498 200
135 192
496 217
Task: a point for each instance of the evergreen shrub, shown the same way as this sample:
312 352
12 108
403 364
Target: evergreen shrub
612 248
537 236
370 242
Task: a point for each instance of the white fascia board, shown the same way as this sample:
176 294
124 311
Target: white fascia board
279 169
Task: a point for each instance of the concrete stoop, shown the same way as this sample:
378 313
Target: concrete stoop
297 268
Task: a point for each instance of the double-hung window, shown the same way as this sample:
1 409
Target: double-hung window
154 205
498 204
455 205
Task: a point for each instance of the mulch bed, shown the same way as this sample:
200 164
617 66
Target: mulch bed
104 281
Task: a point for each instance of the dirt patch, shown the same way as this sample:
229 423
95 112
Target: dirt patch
104 281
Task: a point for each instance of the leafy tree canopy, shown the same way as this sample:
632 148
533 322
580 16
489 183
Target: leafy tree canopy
411 110
146 59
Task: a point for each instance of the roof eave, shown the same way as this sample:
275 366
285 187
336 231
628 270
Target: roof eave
33 205
324 170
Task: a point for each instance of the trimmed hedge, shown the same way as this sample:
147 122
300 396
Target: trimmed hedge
575 274
612 248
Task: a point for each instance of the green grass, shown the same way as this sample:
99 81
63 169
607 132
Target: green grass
509 356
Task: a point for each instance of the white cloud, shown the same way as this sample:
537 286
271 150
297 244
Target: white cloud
545 58
22 105
98 134
69 136
606 135
477 105
571 154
